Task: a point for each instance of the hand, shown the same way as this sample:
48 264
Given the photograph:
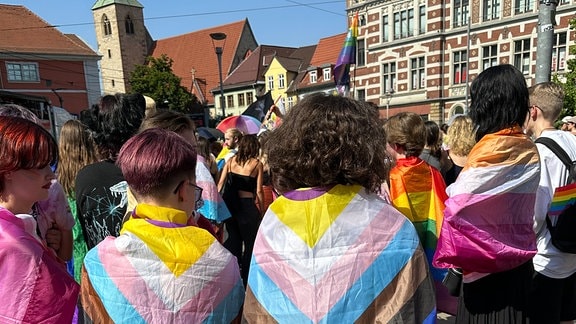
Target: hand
53 237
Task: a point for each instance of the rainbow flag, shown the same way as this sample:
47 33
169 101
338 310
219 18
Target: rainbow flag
161 271
488 218
562 199
418 191
337 255
347 57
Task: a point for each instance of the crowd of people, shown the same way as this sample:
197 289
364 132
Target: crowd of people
333 215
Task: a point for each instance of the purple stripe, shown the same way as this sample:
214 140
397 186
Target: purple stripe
307 194
164 224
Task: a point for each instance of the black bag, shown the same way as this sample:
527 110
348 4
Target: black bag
563 233
453 281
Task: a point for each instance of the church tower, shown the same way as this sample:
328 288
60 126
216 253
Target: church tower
123 41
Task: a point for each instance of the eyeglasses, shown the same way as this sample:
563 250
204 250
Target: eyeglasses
198 203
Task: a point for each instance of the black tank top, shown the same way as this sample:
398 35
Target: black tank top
243 182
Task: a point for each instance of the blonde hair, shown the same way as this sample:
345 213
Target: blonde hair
461 136
76 149
549 97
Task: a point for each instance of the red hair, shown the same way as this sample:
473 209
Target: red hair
24 145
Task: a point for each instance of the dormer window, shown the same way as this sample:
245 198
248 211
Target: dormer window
313 76
106 26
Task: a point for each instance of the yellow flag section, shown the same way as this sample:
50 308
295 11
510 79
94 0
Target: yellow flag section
317 220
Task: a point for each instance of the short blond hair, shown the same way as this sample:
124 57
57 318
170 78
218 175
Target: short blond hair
549 97
461 136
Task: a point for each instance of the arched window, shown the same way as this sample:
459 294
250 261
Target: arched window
129 25
106 26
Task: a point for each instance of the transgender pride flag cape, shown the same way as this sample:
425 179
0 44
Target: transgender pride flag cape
214 208
488 218
337 255
160 271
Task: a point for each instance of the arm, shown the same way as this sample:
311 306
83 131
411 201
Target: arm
223 175
259 189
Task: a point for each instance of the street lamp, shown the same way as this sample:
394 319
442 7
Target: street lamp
388 94
217 40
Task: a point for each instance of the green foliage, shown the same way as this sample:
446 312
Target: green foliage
156 80
570 84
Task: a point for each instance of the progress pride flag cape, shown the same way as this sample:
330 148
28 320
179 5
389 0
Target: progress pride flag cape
337 255
489 216
160 271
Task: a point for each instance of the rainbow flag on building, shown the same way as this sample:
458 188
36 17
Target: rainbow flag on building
337 255
347 57
488 220
161 271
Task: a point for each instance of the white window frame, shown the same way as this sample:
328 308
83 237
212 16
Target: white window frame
522 55
22 72
270 82
327 74
313 76
281 81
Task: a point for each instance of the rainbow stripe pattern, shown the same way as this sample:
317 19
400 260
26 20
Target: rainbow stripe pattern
418 191
562 199
337 255
160 271
488 218
347 57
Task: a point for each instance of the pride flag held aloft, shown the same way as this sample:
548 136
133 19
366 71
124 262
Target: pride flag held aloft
347 57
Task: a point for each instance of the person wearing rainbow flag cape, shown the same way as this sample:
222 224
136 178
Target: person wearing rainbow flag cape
418 191
162 268
329 249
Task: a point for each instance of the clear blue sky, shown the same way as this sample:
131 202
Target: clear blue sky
274 22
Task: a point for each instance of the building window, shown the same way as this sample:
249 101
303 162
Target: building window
229 101
491 9
388 76
249 98
129 25
113 84
106 26
22 72
422 20
418 73
460 68
522 6
361 54
109 54
489 56
362 20
461 10
559 52
290 102
271 82
313 77
241 101
361 95
385 29
522 55
327 74
281 81
404 23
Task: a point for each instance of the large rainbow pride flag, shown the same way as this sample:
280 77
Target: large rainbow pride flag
337 255
161 271
488 220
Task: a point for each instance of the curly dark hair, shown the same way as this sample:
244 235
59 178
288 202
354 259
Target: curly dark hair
116 119
499 99
327 140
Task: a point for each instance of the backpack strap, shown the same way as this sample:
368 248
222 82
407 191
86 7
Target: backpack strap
561 154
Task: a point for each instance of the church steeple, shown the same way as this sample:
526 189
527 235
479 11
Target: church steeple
123 41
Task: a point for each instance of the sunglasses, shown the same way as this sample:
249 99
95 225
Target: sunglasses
198 203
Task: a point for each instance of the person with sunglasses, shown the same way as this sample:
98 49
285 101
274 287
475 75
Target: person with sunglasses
162 268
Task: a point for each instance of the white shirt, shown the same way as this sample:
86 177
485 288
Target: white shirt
549 261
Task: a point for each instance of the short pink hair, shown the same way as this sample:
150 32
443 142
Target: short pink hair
155 160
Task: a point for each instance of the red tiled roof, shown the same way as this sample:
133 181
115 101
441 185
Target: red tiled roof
328 50
23 31
194 51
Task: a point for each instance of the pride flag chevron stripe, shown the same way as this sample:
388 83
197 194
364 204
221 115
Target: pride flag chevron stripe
358 253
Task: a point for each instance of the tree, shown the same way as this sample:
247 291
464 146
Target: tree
156 80
569 84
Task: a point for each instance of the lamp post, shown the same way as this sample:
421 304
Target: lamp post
388 94
217 40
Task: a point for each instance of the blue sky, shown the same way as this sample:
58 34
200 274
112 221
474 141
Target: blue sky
274 22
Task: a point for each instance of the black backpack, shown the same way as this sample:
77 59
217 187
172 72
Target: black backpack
563 233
